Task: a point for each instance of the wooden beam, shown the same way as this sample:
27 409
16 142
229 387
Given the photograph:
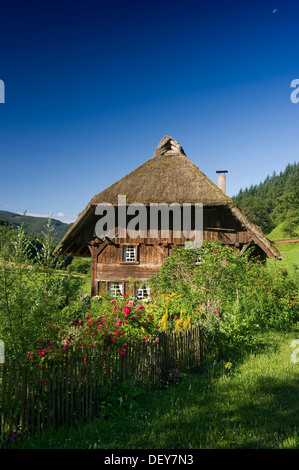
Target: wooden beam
219 229
95 250
111 241
242 251
160 250
262 246
222 235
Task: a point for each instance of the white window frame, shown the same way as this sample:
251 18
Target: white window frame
115 288
200 257
130 254
142 292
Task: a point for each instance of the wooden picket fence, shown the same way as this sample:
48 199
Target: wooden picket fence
53 393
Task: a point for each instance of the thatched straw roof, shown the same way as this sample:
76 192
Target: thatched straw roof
168 176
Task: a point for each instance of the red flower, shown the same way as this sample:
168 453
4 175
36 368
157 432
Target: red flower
127 310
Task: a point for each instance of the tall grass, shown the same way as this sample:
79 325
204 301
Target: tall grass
248 401
290 253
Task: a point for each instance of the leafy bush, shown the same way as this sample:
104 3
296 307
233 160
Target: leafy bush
79 265
32 293
87 324
169 377
230 295
120 400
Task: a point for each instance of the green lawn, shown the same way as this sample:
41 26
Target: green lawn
278 233
86 288
290 252
249 402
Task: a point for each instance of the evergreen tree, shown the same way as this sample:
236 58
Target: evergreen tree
273 201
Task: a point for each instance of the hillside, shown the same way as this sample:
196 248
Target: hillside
274 203
35 225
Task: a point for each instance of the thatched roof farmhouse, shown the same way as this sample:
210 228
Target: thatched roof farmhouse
169 176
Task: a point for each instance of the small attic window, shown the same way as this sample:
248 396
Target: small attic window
130 254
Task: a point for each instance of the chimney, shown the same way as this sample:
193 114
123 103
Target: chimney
222 179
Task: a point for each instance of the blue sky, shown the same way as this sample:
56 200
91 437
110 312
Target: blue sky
91 87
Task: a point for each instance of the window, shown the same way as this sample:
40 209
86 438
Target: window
198 260
142 293
129 254
115 288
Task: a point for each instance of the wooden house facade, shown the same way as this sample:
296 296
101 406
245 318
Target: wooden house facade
168 177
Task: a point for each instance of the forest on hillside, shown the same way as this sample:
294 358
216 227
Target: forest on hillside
33 225
274 201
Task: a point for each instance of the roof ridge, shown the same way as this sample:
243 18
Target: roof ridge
169 146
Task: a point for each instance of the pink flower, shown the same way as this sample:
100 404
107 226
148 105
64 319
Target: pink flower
141 307
127 310
119 322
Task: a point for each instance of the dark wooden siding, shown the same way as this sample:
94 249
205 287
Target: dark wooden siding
107 255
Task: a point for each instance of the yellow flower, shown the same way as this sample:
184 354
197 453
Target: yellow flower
179 322
187 323
164 321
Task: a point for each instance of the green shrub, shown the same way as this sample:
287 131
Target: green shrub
32 293
246 295
79 265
